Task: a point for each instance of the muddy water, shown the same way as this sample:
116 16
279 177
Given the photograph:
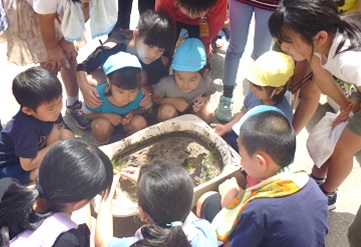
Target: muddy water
200 159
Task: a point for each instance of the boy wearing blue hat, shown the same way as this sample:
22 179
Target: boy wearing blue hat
286 209
121 99
189 89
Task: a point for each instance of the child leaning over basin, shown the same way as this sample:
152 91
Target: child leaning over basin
29 135
189 89
286 209
165 196
70 175
121 99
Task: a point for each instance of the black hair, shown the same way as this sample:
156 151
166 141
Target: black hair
276 98
272 133
197 6
70 172
127 78
157 30
165 193
308 17
36 86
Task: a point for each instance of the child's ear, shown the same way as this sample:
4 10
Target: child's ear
320 38
135 33
27 110
144 217
262 161
279 90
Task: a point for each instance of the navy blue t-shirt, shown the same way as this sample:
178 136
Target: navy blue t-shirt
297 220
22 137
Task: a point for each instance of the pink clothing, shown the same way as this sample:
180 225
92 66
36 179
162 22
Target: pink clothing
215 17
251 181
262 4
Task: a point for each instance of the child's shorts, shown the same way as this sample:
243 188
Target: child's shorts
211 206
15 171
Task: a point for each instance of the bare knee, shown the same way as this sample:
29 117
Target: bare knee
137 123
166 112
102 130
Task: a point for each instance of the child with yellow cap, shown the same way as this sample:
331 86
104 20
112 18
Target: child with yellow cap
267 78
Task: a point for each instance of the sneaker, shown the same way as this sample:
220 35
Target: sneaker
77 114
318 181
332 198
224 110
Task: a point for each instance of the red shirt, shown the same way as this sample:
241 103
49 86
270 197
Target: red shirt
215 17
262 4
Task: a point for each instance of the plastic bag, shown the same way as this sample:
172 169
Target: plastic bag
323 139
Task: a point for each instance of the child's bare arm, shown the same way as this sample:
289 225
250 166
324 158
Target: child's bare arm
179 103
55 52
229 190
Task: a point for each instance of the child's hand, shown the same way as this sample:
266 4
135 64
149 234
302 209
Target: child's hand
147 100
55 60
228 190
199 104
70 49
131 173
219 129
180 104
114 118
126 120
116 177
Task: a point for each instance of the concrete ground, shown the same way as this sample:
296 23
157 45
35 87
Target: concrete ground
349 198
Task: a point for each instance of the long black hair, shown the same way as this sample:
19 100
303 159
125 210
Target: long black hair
71 171
308 17
165 193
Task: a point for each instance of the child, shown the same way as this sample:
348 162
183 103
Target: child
121 99
286 208
31 132
39 33
202 19
267 77
332 45
165 195
149 42
70 175
189 88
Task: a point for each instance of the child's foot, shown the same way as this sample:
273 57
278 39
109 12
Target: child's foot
61 123
77 114
332 198
224 110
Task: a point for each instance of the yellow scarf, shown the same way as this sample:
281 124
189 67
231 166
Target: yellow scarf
287 181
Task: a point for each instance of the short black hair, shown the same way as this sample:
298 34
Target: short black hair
36 86
127 78
157 30
197 6
272 133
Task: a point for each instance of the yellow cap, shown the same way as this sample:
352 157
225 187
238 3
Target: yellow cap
271 69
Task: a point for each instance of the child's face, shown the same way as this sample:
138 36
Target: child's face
123 97
146 53
187 81
249 163
296 46
48 112
259 92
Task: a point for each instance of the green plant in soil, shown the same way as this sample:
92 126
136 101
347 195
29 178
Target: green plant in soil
119 165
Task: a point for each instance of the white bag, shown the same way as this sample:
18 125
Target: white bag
323 138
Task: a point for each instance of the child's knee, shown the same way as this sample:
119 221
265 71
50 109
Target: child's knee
208 205
101 127
166 112
138 122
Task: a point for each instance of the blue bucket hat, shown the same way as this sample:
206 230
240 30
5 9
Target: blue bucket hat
190 56
119 61
255 110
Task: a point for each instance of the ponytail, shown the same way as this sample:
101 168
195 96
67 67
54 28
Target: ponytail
16 212
155 236
349 26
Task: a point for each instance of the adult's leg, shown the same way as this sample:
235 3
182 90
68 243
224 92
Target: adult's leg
240 18
124 10
262 41
353 234
144 5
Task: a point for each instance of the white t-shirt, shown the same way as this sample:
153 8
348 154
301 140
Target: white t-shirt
345 65
45 7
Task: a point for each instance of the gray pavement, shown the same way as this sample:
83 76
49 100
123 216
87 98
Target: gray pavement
349 192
